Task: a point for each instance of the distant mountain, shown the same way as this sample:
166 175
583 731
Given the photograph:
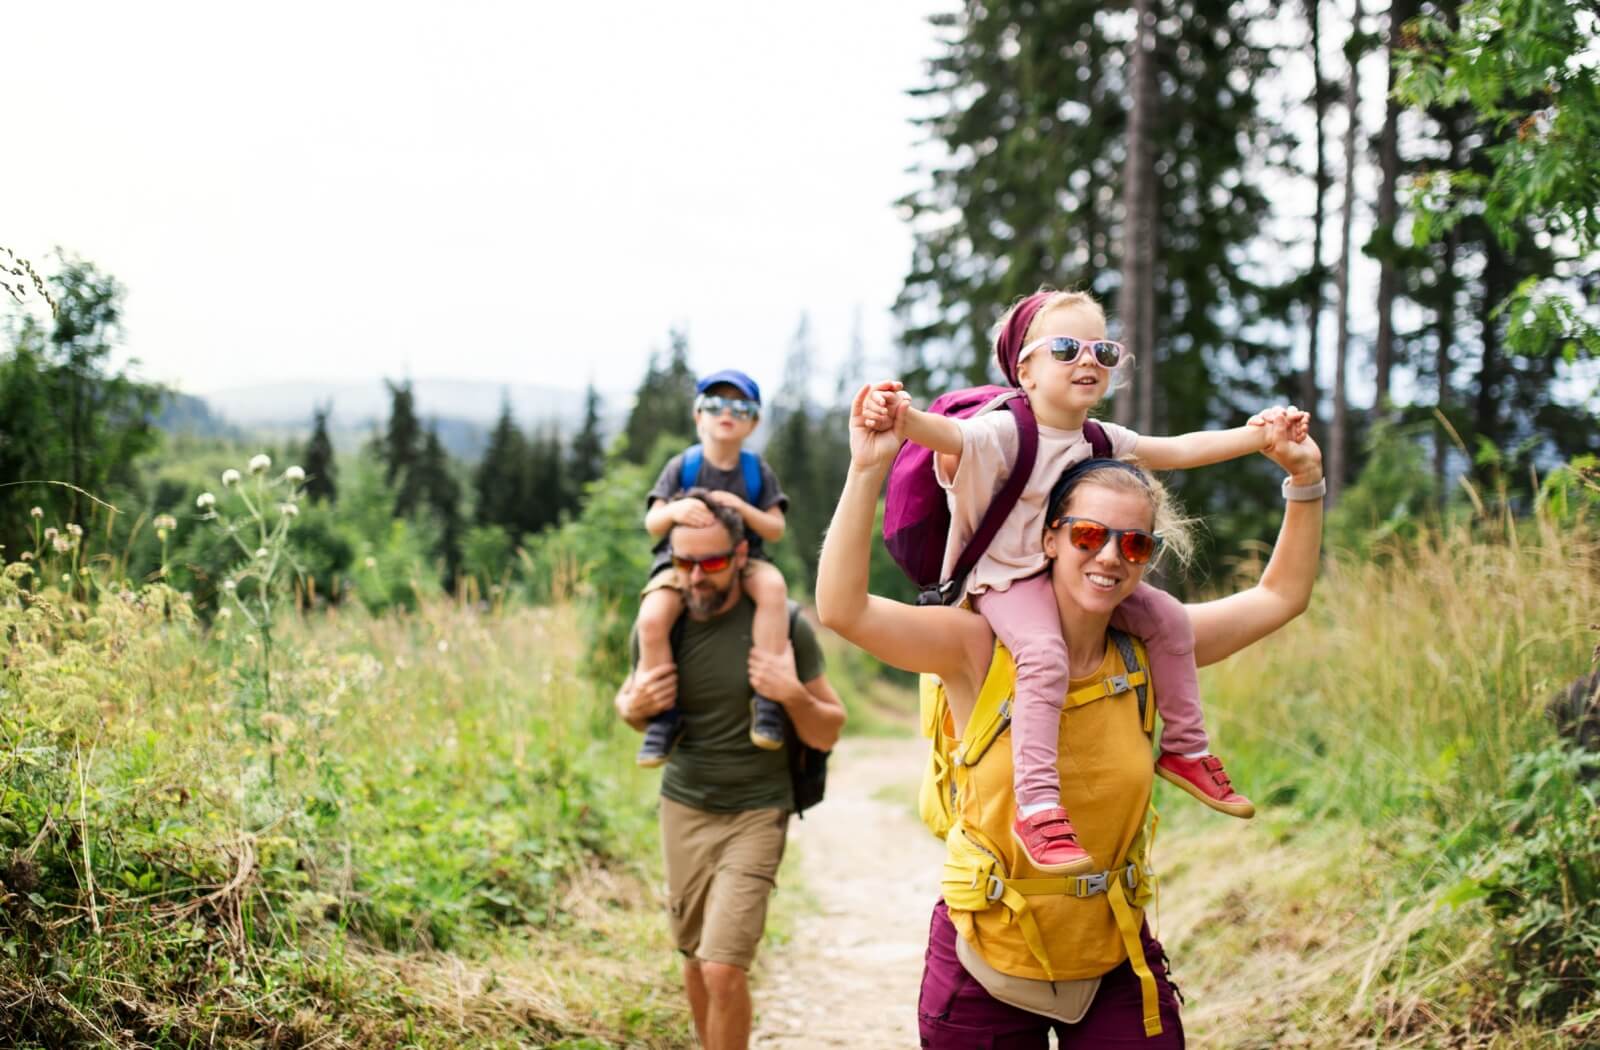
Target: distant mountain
356 405
187 414
465 411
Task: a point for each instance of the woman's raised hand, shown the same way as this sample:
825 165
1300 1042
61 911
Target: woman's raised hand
1302 459
869 446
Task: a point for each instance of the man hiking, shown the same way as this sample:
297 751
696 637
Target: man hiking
725 803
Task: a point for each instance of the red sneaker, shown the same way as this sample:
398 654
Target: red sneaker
1050 843
1204 778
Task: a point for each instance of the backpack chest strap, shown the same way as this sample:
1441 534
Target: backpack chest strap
1110 685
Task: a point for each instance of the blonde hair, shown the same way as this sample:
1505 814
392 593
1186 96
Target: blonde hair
1062 300
1167 518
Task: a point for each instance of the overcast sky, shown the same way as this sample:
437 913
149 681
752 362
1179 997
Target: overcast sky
518 192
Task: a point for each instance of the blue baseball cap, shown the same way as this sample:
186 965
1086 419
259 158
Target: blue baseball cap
733 377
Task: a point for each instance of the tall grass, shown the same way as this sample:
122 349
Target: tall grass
442 782
1424 871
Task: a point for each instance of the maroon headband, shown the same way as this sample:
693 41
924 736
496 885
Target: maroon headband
1010 341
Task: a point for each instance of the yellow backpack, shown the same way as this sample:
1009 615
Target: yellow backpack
975 878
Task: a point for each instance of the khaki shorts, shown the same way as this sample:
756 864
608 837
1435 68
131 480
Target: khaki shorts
721 868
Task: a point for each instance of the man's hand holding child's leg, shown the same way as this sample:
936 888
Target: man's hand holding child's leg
659 609
770 633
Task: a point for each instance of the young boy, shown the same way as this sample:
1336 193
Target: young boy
726 409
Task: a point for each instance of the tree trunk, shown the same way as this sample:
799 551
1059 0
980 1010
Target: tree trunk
1310 391
1445 323
1136 299
1400 12
1337 436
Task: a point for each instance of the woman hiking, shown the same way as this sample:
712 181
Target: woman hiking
1012 955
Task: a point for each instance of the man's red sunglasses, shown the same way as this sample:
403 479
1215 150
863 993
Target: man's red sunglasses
709 564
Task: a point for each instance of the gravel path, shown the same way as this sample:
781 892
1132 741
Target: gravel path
849 976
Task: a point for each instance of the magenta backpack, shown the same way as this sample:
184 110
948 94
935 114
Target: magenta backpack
916 516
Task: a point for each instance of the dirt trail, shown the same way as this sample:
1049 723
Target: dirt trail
849 976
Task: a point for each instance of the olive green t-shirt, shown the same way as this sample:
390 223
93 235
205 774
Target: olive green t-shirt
715 766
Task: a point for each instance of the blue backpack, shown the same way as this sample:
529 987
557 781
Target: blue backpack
749 463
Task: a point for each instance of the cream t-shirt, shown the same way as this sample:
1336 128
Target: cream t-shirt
989 445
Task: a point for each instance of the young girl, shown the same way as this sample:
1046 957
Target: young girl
1053 346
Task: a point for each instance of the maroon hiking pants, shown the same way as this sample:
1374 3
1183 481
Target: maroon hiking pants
955 1013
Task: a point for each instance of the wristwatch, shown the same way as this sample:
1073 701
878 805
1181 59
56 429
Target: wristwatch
1305 493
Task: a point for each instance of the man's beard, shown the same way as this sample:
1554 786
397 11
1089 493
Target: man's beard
707 600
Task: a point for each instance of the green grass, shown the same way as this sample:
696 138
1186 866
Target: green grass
1423 872
433 834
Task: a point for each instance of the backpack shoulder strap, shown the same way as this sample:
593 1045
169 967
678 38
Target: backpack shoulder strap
1130 660
1004 500
689 474
750 463
1099 441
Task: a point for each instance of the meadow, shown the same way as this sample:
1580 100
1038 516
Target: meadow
285 823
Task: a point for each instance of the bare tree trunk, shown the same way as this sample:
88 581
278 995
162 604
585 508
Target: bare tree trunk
1136 299
1337 437
1310 392
1400 12
1445 323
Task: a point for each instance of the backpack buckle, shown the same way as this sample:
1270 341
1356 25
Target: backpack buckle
995 889
1089 885
1117 684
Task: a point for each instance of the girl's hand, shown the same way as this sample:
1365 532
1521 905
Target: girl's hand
883 403
1280 424
1302 459
870 446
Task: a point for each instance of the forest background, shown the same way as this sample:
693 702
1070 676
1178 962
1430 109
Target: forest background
1151 152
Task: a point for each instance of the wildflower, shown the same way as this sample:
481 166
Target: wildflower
76 530
229 584
294 475
166 521
288 510
27 555
261 554
224 613
51 533
205 501
444 646
371 562
260 463
37 512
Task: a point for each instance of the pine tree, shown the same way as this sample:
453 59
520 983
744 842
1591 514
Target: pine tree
1316 280
664 403
1383 243
1136 298
440 494
544 486
501 475
1032 115
402 448
321 480
588 453
1338 439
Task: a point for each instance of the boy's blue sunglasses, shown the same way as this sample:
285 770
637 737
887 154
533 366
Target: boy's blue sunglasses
715 405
